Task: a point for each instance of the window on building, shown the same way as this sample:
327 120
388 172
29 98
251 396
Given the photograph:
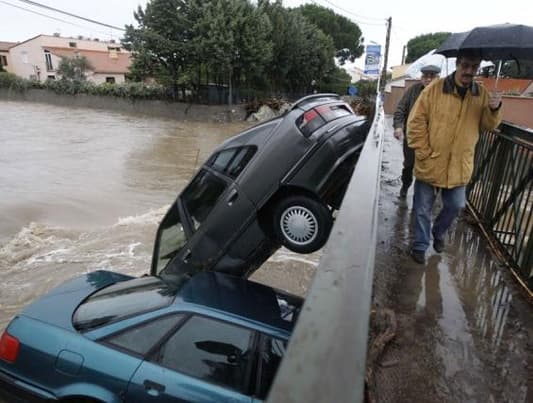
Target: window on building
3 60
72 44
24 56
48 59
113 48
110 80
51 77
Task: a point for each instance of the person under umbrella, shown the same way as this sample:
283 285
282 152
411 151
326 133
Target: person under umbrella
429 73
443 129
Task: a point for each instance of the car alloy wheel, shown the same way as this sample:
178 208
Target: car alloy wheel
302 224
299 225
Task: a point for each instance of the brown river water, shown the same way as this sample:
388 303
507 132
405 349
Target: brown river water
84 189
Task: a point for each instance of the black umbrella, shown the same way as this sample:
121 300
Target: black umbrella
494 42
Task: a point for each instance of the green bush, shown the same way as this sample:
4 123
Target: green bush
127 90
14 83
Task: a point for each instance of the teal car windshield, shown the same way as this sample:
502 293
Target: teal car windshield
122 300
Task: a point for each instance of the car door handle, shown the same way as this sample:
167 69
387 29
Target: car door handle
232 196
153 388
186 255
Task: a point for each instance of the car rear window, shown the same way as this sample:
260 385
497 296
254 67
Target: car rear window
122 300
315 118
231 162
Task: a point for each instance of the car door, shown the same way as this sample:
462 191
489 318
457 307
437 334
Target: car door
271 352
205 360
209 214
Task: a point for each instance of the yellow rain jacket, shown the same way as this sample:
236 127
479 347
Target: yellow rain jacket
443 129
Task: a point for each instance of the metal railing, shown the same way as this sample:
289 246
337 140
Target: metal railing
326 357
501 194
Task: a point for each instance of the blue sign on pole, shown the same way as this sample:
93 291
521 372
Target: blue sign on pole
372 59
352 90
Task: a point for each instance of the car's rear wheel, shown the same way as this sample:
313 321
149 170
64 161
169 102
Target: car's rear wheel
302 224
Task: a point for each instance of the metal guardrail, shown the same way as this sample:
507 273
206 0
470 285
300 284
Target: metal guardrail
326 357
501 194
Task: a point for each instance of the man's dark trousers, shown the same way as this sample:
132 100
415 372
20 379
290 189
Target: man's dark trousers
408 165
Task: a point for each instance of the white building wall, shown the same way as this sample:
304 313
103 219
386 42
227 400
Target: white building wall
28 58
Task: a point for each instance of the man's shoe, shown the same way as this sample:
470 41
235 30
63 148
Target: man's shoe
418 256
403 192
438 245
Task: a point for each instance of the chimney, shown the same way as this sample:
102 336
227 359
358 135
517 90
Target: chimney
56 34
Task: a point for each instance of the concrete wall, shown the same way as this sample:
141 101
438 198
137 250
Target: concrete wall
518 110
180 111
393 97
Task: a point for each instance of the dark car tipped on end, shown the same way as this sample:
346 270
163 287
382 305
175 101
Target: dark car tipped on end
274 184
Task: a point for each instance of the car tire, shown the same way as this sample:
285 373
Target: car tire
302 224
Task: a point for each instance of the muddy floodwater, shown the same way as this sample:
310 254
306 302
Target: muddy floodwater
84 189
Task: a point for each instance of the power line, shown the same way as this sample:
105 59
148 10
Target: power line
52 18
356 15
34 3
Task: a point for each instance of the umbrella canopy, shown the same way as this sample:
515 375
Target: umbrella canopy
495 42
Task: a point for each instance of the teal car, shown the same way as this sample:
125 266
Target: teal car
108 337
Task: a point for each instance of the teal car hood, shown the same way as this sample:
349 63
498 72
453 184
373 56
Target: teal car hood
57 306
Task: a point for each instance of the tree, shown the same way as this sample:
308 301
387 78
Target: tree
161 44
233 38
422 44
346 34
367 88
74 68
302 53
336 81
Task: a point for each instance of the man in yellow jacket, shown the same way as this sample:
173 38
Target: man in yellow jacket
443 129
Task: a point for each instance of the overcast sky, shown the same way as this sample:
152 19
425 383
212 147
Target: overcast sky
452 16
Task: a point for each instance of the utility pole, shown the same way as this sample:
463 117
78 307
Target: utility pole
384 71
403 54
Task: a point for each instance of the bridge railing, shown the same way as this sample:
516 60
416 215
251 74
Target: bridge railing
501 194
326 356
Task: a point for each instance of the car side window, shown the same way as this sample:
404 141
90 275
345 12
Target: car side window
231 162
171 238
211 350
140 339
201 196
271 353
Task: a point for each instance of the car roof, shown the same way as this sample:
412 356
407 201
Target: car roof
239 297
313 100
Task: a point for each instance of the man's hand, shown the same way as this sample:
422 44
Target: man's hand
495 98
398 133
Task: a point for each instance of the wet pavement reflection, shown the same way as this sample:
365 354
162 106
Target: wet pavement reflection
464 327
